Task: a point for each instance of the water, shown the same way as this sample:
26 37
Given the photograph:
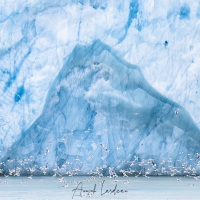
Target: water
63 188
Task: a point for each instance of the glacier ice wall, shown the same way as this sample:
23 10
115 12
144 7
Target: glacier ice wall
101 111
36 38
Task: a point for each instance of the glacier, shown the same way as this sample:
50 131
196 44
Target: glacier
102 112
73 88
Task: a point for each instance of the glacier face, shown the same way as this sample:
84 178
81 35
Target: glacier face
102 112
37 38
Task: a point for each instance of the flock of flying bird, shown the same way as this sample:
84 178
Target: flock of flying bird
135 168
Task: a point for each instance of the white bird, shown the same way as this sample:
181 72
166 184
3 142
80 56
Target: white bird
30 177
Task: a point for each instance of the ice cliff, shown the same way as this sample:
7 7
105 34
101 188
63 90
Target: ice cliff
72 86
101 111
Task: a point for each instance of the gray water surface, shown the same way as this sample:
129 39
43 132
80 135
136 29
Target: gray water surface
64 188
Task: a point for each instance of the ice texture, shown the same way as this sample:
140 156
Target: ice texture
100 111
159 39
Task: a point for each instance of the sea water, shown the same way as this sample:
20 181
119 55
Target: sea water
87 187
